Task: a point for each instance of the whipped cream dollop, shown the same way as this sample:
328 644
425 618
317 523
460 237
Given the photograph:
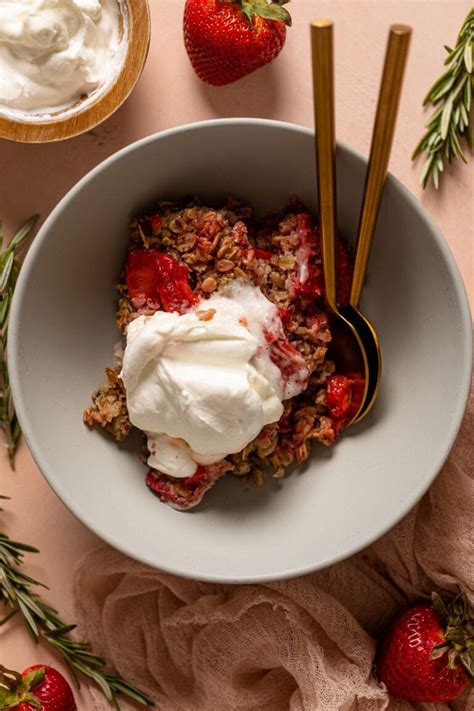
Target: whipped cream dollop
55 52
202 384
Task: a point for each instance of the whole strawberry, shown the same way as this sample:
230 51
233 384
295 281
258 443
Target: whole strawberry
428 654
227 39
39 687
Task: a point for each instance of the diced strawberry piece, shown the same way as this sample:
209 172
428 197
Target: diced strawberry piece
187 492
271 336
310 280
172 284
337 426
309 238
141 276
285 355
158 278
156 222
344 396
339 395
292 365
263 254
200 476
358 387
285 314
309 283
313 286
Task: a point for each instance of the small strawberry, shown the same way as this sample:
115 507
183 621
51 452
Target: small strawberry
228 39
39 687
428 654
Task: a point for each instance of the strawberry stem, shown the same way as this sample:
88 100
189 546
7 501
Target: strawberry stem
14 690
34 678
266 9
458 631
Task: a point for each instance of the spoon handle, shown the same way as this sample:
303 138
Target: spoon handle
382 137
324 123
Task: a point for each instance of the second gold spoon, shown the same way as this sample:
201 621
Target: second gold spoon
382 138
347 347
356 343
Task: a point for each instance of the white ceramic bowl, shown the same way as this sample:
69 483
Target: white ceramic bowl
62 335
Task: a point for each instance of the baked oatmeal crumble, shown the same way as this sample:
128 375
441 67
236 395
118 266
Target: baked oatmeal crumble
281 255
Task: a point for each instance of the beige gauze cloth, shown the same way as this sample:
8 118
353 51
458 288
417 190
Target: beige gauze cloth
305 644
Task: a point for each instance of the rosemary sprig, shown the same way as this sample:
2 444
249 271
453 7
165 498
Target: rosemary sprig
451 122
9 269
43 622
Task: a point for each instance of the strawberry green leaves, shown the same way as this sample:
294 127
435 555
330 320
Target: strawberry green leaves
14 690
272 10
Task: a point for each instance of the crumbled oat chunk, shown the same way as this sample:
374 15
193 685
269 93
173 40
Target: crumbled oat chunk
209 285
206 315
109 409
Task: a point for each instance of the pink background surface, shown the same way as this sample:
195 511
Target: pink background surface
33 179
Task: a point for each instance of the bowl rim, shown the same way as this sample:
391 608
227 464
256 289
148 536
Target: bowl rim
69 125
35 447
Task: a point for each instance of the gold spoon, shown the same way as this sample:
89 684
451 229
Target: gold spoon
382 138
347 347
355 346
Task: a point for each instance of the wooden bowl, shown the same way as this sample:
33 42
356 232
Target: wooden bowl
68 125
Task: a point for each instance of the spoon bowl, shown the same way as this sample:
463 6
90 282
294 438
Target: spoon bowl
372 361
348 350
